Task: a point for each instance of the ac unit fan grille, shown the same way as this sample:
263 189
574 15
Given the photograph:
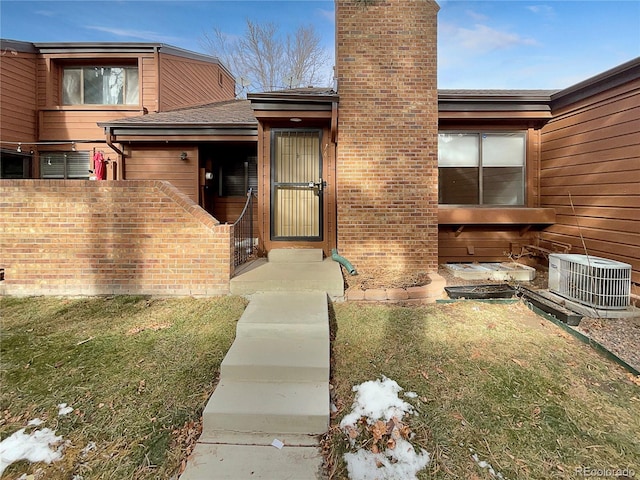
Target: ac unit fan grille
593 281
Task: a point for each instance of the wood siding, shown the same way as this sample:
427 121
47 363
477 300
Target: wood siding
482 243
18 112
149 83
590 157
186 82
71 124
163 162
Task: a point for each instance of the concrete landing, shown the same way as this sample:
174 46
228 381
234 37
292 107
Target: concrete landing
234 462
287 276
274 383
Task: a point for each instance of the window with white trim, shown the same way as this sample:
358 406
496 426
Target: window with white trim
100 86
478 168
66 165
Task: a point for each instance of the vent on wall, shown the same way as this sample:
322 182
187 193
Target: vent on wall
593 281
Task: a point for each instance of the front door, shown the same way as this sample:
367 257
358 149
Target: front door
297 186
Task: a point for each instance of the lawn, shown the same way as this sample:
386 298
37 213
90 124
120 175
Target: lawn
137 373
492 381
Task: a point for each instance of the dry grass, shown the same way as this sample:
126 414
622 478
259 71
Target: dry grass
494 380
137 371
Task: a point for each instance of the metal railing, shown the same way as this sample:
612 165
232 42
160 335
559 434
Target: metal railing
244 242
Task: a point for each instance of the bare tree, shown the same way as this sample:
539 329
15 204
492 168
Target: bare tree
264 60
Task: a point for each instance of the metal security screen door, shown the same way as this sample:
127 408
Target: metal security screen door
296 185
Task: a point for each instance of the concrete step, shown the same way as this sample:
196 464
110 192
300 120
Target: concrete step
292 358
262 407
285 315
250 462
295 255
324 276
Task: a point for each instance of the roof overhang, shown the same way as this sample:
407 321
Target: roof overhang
495 104
303 103
608 80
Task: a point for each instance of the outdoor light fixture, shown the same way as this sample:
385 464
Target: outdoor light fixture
295 119
183 156
73 146
19 149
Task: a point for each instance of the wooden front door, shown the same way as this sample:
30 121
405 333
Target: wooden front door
297 185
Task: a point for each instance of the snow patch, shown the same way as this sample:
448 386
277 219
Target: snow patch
400 463
63 409
378 400
34 447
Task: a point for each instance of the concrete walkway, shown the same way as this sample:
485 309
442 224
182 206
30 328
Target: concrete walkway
274 380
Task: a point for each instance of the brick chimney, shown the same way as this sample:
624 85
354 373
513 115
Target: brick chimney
387 157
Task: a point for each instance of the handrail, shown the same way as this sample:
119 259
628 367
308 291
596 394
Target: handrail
243 241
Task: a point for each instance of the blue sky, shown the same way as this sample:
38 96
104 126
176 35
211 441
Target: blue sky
481 44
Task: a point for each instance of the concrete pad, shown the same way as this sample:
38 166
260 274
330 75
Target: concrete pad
268 408
240 462
277 359
508 271
324 276
295 255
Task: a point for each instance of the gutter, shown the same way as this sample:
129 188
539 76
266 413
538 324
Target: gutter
120 153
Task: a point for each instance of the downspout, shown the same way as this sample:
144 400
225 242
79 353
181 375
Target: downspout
118 151
343 261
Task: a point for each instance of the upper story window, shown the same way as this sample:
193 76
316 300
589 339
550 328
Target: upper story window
100 86
476 168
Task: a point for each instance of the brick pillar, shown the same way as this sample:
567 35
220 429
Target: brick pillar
387 165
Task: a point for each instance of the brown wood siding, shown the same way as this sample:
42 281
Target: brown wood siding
590 156
486 243
149 83
163 163
185 82
77 124
18 112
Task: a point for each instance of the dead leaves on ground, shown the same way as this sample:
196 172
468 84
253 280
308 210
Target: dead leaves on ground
381 435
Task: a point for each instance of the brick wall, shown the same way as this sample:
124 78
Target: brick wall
387 134
66 237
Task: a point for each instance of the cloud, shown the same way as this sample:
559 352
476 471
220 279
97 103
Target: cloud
134 33
545 10
329 15
482 38
478 17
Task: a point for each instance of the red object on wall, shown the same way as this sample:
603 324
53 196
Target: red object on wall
99 166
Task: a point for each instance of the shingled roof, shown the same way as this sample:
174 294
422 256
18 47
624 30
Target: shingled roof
231 113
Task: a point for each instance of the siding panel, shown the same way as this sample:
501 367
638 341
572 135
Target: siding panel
590 157
186 82
18 112
163 163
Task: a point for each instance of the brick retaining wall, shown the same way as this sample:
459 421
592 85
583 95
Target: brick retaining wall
66 237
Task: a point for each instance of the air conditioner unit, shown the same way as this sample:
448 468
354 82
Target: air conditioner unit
593 281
